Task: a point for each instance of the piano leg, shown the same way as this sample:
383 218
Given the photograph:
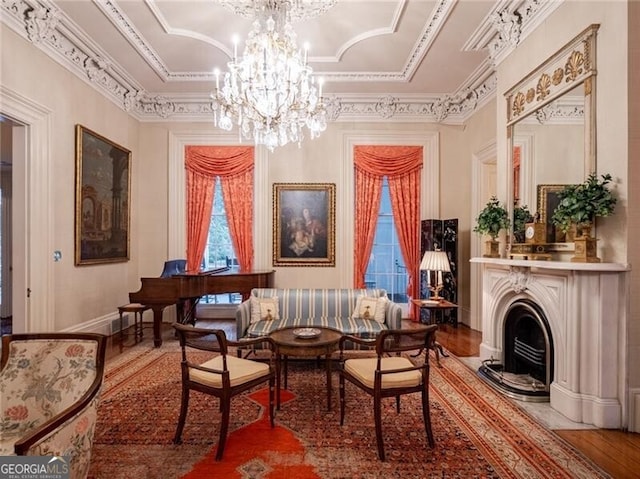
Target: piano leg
157 323
186 310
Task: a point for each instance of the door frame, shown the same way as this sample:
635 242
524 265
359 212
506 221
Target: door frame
33 306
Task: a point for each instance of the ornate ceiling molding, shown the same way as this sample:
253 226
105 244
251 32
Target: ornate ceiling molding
508 24
298 9
48 28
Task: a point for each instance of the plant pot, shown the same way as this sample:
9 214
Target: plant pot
491 249
583 230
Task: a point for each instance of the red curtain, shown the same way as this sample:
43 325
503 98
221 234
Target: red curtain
402 165
234 165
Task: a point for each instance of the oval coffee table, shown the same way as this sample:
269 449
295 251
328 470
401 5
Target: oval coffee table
287 344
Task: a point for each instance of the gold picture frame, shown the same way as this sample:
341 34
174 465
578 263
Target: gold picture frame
103 194
304 224
547 202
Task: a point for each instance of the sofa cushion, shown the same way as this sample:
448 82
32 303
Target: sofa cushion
374 308
261 308
364 328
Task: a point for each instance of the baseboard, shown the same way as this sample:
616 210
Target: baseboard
634 410
108 324
587 409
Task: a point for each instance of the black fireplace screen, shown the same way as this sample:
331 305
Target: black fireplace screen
528 353
527 344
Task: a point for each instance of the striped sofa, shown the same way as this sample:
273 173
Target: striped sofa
331 308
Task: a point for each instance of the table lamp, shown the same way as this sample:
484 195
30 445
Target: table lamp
437 261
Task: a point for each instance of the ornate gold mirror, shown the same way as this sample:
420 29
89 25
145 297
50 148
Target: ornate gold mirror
551 131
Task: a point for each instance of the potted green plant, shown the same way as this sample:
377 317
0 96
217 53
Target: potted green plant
493 218
580 205
521 216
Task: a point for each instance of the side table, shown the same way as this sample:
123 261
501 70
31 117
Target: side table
433 306
287 344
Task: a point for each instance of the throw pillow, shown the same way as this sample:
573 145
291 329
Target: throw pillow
370 308
264 308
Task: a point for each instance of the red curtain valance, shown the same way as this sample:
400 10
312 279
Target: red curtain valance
219 160
383 160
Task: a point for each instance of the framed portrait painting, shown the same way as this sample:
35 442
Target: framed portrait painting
103 171
304 224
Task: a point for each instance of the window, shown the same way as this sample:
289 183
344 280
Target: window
219 251
386 267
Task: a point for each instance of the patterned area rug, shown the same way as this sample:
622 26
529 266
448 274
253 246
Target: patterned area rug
478 433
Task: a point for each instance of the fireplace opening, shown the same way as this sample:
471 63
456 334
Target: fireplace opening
527 371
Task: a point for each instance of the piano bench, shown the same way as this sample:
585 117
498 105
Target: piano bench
137 309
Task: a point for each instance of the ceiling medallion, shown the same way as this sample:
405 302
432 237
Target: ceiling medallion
297 9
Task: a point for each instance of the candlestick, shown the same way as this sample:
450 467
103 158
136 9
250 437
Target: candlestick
235 48
439 278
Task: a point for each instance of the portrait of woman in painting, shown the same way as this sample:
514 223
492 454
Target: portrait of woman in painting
305 217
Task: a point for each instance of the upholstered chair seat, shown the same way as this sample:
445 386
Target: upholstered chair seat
240 371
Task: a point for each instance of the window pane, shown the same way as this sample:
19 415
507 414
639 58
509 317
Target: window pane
219 251
386 267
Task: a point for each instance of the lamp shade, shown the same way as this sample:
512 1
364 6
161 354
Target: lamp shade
435 261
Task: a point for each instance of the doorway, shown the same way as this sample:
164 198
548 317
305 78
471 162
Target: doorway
6 225
32 280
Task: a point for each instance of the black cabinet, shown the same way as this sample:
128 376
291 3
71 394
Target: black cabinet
442 235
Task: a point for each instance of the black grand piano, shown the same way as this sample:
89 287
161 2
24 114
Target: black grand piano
175 286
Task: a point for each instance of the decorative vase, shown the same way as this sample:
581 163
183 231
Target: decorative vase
491 249
583 230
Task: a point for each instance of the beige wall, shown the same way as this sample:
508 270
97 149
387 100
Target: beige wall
617 132
322 160
80 294
633 213
565 23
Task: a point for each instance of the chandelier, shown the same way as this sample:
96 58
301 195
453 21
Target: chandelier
270 93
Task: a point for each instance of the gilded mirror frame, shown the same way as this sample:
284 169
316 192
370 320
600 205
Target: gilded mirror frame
572 65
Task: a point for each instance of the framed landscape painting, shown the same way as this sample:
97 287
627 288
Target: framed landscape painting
102 199
304 224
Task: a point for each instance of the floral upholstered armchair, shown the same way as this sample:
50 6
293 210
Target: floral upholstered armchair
49 389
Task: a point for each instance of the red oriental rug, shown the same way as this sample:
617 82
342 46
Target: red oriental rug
478 432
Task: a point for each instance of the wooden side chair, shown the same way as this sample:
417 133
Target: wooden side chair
224 376
390 374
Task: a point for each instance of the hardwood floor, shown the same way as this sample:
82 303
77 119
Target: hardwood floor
617 452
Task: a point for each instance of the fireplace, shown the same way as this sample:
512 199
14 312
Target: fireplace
565 325
527 371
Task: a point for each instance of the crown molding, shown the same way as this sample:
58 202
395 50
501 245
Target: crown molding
507 24
48 28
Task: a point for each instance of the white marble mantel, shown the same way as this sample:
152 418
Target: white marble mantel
563 265
586 305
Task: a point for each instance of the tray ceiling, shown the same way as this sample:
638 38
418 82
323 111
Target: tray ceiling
408 60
